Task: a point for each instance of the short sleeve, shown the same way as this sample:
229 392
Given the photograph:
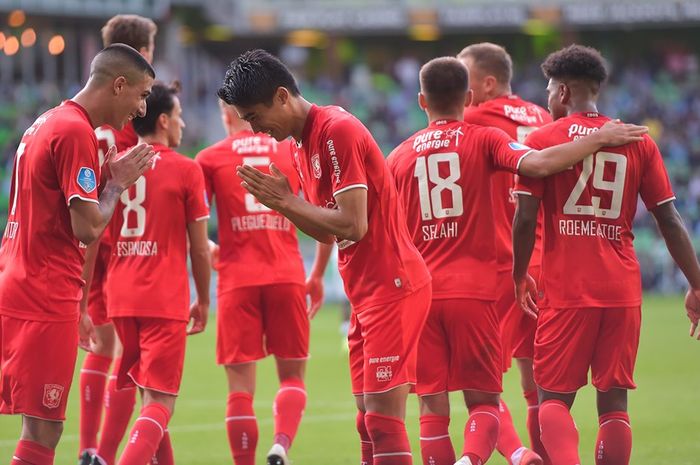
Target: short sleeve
196 201
74 152
208 174
531 186
655 188
505 152
345 147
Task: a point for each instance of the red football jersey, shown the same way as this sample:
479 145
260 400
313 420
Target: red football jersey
336 154
258 246
440 173
517 118
147 274
40 259
589 259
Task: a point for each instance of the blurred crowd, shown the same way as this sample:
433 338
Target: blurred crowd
662 92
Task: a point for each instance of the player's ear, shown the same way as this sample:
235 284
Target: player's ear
163 121
470 97
282 95
564 93
119 84
490 84
421 101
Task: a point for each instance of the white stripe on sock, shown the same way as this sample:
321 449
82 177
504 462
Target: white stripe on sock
162 432
240 418
434 438
392 454
94 372
292 388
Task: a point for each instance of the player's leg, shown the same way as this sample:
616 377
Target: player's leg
432 376
481 430
239 343
565 343
37 387
527 382
157 370
286 327
241 422
94 375
612 372
391 334
119 407
356 359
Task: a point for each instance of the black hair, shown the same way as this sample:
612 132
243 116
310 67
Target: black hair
576 62
254 77
161 100
444 83
120 59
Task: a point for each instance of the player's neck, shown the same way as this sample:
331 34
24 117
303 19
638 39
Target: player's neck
240 126
583 106
160 139
300 113
93 105
499 92
457 114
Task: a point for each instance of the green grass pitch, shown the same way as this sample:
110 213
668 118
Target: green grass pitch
663 409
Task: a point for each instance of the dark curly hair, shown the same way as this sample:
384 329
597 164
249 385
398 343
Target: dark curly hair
576 62
254 77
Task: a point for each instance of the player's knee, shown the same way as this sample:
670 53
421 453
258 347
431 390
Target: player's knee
473 398
614 400
46 433
438 404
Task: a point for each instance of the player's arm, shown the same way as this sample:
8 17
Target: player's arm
314 283
201 273
524 233
681 248
545 162
89 219
86 330
347 221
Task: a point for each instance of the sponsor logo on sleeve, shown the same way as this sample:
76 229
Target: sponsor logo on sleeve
87 179
52 395
316 165
518 146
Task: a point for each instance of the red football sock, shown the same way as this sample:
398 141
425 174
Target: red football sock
614 443
288 409
481 433
435 444
241 427
559 433
508 440
93 378
365 440
389 440
146 434
164 454
533 425
119 405
32 453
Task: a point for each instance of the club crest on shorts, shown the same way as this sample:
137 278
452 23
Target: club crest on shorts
316 165
87 179
384 374
52 395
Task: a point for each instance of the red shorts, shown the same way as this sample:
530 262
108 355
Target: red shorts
97 299
383 343
255 321
460 348
517 329
154 353
570 341
36 367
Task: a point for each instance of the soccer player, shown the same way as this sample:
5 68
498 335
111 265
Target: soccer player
493 104
147 279
137 32
589 313
353 201
54 211
261 294
442 175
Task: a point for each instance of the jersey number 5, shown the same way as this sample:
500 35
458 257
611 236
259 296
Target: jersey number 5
595 165
428 169
251 203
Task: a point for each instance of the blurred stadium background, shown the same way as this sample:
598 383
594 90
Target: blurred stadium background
364 55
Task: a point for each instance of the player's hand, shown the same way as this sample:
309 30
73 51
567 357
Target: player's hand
615 132
214 252
199 313
692 308
128 168
271 190
314 289
86 332
525 292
